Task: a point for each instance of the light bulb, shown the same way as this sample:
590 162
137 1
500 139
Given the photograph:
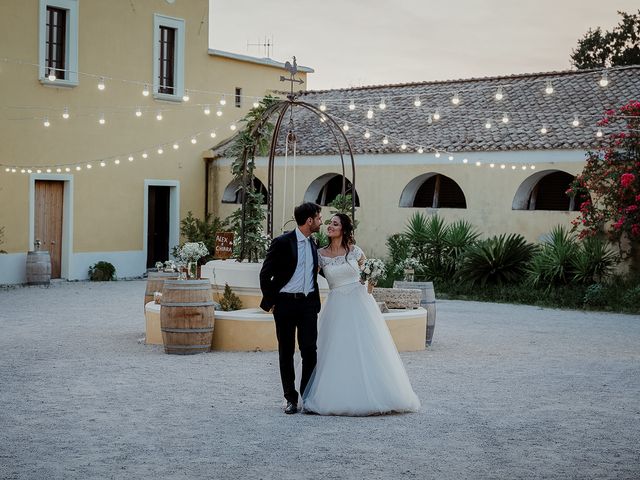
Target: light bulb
67 169
160 151
130 158
233 127
367 134
604 80
492 165
102 120
117 161
101 83
430 119
7 169
436 115
352 105
465 160
29 171
256 104
323 107
420 150
185 97
323 119
48 170
487 124
403 146
38 171
52 75
159 116
576 121
385 140
382 105
223 101
138 112
503 166
207 110
455 99
213 135
145 90
193 140
219 113
544 130
417 102
437 154
599 133
176 146
145 154
499 94
78 168
450 157
345 127
23 171
370 113
103 164
478 164
505 118
524 167
89 166
548 88
46 122
513 167
533 167
57 170
65 113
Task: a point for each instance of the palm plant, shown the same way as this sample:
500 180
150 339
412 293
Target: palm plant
593 261
554 262
497 260
427 239
459 237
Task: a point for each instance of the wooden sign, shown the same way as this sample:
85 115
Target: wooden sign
224 245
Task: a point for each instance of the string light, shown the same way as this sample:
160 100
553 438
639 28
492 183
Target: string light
101 84
513 167
385 140
194 140
219 112
450 158
345 127
223 101
524 167
456 99
505 118
599 133
160 151
465 160
478 164
370 113
436 115
89 166
437 154
417 102
207 110
420 149
159 115
213 134
382 105
78 168
492 165
503 166
145 154
138 112
38 171
576 121
103 164
367 134
430 119
58 170
233 127
352 105
403 146
52 75
185 97
323 119
145 90
46 122
604 80
65 113
29 171
533 167
67 169
544 130
548 88
130 158
117 161
323 107
102 120
256 104
176 146
499 95
48 169
487 124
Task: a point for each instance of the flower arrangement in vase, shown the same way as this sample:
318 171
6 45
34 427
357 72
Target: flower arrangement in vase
190 253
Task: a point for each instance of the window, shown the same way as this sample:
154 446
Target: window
549 194
168 58
233 192
433 190
238 97
58 44
329 187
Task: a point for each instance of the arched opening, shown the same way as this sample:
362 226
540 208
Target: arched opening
232 194
324 189
433 190
546 190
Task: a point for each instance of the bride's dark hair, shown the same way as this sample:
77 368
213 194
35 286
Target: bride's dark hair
347 231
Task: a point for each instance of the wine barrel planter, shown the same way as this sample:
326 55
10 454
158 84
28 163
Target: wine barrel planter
38 267
428 302
186 316
155 282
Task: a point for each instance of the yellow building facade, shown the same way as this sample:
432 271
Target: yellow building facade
107 108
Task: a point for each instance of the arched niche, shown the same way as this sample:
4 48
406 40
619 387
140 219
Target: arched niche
324 189
232 193
546 190
432 190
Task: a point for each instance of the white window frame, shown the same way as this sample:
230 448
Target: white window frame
71 51
178 74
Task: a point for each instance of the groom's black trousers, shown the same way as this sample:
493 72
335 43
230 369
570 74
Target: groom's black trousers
291 314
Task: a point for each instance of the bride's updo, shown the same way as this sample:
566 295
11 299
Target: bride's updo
347 231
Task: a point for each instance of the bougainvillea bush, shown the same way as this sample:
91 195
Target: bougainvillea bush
612 178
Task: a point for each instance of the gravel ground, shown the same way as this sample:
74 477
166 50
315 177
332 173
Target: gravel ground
507 392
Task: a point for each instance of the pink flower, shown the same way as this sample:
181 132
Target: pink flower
631 208
627 179
635 230
618 224
637 198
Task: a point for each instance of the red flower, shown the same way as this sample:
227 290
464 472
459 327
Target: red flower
627 179
618 224
635 230
631 208
637 198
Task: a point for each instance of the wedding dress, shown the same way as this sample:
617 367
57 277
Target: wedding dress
359 371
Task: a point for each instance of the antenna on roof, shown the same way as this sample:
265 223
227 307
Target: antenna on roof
267 45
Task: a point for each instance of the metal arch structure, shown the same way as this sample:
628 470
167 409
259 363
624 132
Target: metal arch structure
280 108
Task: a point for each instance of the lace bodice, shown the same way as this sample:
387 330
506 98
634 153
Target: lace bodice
339 270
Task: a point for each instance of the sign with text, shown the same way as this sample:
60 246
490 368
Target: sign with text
224 245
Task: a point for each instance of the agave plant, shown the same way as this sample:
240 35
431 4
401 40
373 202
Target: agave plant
459 237
554 262
497 260
593 261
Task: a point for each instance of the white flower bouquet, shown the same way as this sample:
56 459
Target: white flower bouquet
410 263
192 251
372 270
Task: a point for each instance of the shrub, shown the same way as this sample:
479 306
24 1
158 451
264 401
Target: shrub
593 261
595 295
497 260
102 272
553 263
459 237
229 301
195 230
631 299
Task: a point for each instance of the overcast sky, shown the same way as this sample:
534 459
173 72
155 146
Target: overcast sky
368 42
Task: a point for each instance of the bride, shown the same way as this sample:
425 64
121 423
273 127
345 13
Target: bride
359 371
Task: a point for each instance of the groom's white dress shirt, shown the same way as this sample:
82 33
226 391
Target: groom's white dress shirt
302 279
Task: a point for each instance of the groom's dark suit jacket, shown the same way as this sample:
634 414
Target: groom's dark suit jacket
280 265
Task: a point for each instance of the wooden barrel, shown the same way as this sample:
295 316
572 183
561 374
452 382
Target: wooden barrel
186 316
428 302
155 282
38 267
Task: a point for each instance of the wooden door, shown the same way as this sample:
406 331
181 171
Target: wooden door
48 220
158 225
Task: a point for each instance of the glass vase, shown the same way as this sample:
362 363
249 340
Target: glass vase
192 270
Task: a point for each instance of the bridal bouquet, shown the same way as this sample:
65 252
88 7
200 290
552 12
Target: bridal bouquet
372 270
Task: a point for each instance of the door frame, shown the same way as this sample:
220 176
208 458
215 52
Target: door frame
174 213
67 216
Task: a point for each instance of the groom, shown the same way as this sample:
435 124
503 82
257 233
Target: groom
289 284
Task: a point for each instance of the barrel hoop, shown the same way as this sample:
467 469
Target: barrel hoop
174 287
185 347
187 330
187 304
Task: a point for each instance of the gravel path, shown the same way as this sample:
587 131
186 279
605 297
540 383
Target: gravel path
507 391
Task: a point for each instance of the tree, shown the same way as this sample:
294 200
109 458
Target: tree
612 177
620 46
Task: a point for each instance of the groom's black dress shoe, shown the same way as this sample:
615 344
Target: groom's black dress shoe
291 408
